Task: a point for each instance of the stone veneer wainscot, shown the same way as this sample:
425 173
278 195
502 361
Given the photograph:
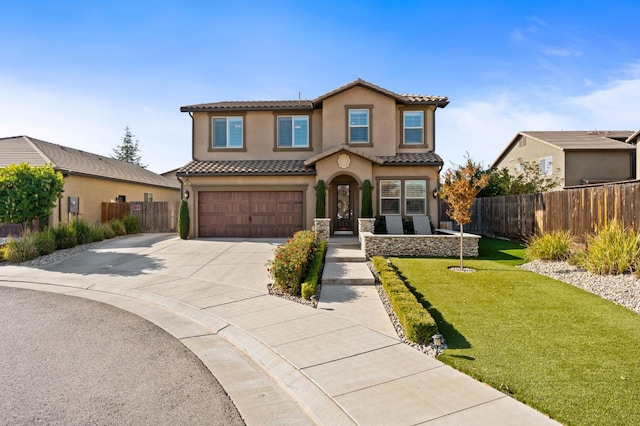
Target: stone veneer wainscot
445 244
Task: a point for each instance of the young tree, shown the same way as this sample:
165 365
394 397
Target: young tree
28 192
129 151
459 190
183 220
367 203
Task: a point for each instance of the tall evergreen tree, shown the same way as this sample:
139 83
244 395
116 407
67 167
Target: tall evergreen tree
128 150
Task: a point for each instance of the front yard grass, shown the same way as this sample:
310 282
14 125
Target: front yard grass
564 351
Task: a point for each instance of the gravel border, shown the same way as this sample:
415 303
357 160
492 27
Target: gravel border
623 289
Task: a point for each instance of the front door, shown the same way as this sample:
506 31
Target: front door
344 207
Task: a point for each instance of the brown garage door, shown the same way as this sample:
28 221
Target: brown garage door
250 214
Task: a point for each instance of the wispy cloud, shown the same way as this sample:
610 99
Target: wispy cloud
484 127
561 52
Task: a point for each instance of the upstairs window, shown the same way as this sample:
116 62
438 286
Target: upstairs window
359 126
390 192
293 131
413 127
227 132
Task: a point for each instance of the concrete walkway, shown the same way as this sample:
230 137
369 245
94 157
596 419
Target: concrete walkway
280 362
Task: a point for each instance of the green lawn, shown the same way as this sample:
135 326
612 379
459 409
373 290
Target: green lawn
564 351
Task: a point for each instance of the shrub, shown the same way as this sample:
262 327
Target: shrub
23 249
419 326
613 249
118 227
290 262
105 231
367 204
320 199
310 284
65 236
131 224
82 231
183 220
45 241
556 245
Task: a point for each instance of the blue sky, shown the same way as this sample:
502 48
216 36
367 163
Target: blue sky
77 72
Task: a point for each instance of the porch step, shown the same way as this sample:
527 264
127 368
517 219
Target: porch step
347 273
344 253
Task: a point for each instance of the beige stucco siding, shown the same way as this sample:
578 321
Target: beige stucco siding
531 150
594 165
92 192
382 125
260 129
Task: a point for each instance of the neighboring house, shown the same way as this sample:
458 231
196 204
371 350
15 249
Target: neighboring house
576 157
89 179
256 163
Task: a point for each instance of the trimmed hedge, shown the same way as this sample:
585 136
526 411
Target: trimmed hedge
310 284
419 326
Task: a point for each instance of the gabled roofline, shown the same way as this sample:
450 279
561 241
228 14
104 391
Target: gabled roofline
311 161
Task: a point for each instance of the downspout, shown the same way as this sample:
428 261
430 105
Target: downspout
193 148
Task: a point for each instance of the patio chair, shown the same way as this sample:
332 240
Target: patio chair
421 225
394 225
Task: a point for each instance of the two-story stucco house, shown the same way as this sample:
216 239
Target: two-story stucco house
576 157
256 164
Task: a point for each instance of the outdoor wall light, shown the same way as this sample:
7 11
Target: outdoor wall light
314 300
435 193
186 194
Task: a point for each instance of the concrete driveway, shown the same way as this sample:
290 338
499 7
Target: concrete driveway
280 362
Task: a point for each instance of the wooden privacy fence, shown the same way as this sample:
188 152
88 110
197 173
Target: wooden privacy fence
156 216
580 211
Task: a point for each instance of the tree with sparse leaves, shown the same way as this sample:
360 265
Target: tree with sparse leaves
28 192
459 189
129 150
528 180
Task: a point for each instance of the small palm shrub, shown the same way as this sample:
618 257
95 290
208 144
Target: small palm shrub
45 241
131 224
22 249
82 231
65 236
290 262
555 245
613 249
118 227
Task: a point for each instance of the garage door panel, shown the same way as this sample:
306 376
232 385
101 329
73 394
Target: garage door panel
252 214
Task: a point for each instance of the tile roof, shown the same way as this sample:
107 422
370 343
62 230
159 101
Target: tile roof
21 149
249 106
244 167
290 167
440 101
583 140
411 158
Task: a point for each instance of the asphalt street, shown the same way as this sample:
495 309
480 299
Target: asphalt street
71 361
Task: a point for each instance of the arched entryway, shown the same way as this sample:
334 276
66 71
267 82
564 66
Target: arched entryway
343 205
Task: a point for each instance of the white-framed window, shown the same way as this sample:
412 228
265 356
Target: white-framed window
390 196
358 126
415 197
293 131
227 132
413 127
546 166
